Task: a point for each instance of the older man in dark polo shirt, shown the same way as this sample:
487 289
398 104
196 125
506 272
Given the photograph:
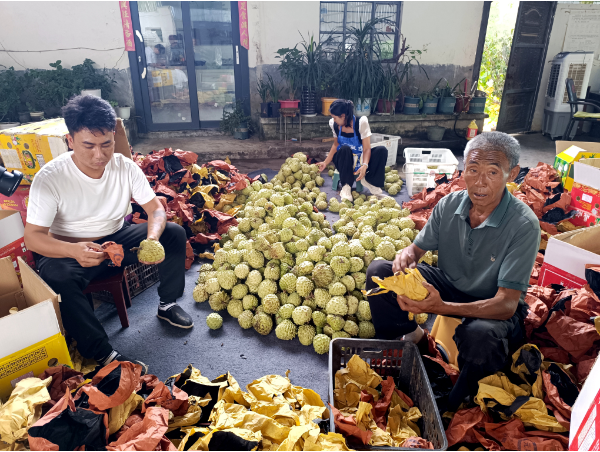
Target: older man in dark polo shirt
487 241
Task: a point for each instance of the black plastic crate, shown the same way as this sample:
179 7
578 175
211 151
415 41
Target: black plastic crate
400 360
140 277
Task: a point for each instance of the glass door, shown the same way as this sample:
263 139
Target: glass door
214 59
188 63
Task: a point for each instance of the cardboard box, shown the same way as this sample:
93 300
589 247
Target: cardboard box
22 148
569 152
566 257
18 201
583 218
32 339
12 242
584 433
29 147
585 194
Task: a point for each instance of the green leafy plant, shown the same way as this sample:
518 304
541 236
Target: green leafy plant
263 90
290 68
10 89
494 63
274 89
446 91
405 65
389 86
113 103
53 88
236 116
86 77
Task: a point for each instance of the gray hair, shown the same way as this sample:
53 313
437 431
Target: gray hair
496 141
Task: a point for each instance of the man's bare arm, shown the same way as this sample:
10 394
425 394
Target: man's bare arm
38 240
501 307
157 218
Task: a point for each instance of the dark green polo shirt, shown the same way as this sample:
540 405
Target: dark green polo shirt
498 253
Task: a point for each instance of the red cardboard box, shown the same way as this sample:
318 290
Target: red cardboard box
566 257
584 433
583 218
585 198
18 201
12 242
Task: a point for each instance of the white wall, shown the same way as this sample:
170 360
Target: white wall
448 30
555 45
62 25
275 25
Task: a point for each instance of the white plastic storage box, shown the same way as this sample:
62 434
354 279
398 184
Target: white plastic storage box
423 164
390 142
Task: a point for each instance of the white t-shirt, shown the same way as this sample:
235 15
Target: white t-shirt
363 127
75 205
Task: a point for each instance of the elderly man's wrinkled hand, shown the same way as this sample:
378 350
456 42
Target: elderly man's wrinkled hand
433 304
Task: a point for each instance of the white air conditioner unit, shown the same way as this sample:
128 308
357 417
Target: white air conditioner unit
557 112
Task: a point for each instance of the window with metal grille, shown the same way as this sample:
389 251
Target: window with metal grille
576 72
553 80
337 18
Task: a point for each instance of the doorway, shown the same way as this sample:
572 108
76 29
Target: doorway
189 64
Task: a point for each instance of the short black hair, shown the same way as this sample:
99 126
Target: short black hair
89 112
160 47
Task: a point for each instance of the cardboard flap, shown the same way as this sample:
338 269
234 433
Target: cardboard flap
121 142
584 145
37 291
9 281
39 321
587 239
591 162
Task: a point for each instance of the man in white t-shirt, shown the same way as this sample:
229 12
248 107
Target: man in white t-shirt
77 202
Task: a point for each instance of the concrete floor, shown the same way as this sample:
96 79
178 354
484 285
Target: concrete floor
251 155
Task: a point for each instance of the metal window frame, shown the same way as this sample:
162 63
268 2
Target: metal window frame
374 4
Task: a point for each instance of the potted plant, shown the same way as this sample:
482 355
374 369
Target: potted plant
263 91
389 90
290 68
315 69
124 112
430 99
9 98
36 113
359 70
275 93
236 122
114 104
447 100
92 82
405 62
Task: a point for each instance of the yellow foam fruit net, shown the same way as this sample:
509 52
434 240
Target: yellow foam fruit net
409 284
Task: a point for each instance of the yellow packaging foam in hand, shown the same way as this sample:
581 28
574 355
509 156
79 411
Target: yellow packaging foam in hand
409 284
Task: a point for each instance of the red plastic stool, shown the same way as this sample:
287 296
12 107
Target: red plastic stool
118 288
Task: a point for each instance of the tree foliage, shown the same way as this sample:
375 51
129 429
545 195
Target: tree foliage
494 63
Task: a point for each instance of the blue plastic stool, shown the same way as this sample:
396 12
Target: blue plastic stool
336 181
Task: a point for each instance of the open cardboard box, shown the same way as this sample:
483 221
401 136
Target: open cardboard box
12 242
31 340
584 433
566 257
569 152
585 194
29 147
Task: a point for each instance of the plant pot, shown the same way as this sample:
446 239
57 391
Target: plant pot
91 92
36 115
264 109
411 105
446 105
325 104
273 109
362 107
24 116
309 101
435 133
8 125
123 112
477 105
289 103
462 104
385 107
430 106
241 132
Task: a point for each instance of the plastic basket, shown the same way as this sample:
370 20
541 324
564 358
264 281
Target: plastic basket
140 277
390 142
423 164
401 361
